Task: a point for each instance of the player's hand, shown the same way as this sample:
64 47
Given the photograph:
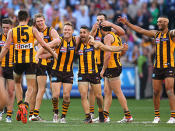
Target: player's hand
125 47
106 23
95 26
91 40
122 20
55 55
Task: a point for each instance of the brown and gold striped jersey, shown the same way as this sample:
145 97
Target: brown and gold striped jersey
99 53
87 59
115 56
164 55
23 40
65 53
7 61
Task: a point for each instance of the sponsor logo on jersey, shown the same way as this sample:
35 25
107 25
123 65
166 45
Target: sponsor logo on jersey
71 48
24 46
46 37
88 50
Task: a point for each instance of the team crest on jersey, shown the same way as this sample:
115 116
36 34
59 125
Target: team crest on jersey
98 38
63 49
157 40
80 52
2 43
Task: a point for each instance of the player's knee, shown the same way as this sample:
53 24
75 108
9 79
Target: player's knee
55 96
169 92
66 96
156 92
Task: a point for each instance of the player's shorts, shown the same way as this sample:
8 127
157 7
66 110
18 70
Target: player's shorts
64 77
49 68
162 73
27 68
92 78
7 72
100 66
112 72
41 70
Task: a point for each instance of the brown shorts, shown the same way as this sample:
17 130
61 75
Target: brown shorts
92 78
112 72
27 68
161 74
64 77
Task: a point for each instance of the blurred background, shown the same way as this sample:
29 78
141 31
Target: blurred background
137 62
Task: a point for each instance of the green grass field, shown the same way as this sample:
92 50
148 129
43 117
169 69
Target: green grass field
141 110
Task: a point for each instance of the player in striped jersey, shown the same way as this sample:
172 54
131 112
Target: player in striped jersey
96 33
164 66
50 35
111 71
62 70
24 59
7 68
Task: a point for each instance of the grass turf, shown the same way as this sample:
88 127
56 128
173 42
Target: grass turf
142 112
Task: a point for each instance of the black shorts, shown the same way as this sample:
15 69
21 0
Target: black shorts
92 78
161 74
49 68
27 68
41 70
100 66
7 72
64 77
112 72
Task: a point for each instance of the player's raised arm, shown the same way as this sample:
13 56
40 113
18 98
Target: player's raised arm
118 30
149 33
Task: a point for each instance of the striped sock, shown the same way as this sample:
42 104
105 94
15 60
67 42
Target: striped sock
36 112
92 109
30 113
55 105
173 114
106 114
65 107
9 113
157 113
26 105
127 114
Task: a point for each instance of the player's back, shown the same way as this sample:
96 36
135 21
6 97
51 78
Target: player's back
23 40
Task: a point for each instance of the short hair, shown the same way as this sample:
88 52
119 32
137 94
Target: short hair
102 15
38 16
23 15
7 21
163 16
85 27
69 24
